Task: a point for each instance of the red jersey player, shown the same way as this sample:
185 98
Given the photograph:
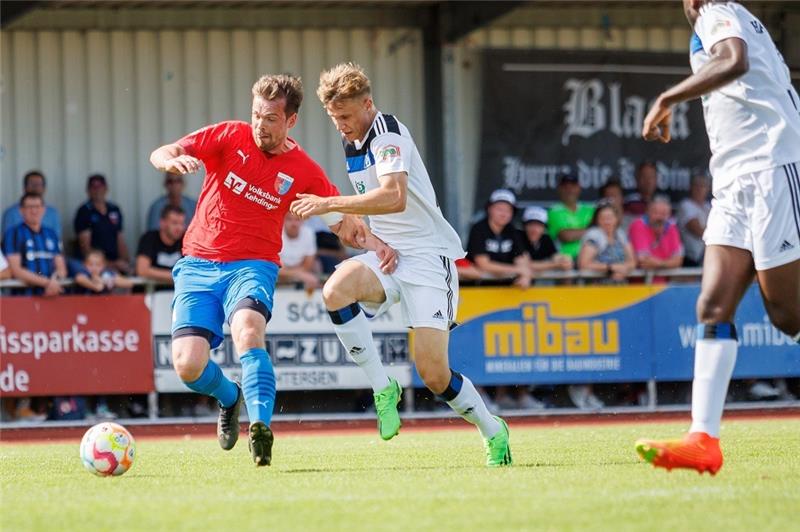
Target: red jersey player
253 173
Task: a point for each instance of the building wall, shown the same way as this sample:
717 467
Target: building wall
80 101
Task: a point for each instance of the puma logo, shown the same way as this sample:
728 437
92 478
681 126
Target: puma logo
243 156
255 402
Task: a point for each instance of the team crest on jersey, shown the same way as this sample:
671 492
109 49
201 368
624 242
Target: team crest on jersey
283 183
720 25
361 187
388 153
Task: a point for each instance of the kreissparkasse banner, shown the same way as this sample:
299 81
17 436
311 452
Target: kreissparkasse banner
548 113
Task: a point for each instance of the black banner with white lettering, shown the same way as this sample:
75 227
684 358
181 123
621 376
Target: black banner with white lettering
549 113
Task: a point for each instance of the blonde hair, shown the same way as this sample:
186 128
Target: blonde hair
276 86
344 81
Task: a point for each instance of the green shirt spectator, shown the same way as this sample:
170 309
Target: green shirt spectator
567 221
562 217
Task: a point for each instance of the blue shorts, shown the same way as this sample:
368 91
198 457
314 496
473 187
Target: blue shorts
207 292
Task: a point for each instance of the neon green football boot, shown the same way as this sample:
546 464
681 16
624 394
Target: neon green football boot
498 450
386 402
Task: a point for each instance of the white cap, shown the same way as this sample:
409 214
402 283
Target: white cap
534 214
502 194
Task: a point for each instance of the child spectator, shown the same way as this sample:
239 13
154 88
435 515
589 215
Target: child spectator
95 277
541 248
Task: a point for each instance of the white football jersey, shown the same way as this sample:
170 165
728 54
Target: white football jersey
753 123
420 229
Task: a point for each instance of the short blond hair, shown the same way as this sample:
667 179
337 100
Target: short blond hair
276 86
344 81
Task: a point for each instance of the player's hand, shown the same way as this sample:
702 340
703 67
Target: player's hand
307 205
183 164
353 232
388 258
656 123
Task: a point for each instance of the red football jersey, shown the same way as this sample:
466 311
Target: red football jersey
246 193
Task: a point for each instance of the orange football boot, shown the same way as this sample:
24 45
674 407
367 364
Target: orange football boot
697 450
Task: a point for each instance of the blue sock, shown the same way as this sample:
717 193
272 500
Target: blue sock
456 382
258 385
214 383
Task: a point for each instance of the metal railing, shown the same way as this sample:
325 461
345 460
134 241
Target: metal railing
547 275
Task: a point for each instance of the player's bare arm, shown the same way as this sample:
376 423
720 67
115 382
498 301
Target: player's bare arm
173 158
389 198
728 61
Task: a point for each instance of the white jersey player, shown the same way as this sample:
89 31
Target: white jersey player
395 191
752 116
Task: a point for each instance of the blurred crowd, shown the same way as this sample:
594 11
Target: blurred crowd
507 244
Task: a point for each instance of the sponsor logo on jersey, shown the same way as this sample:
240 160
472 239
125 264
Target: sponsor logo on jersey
283 183
388 153
253 193
243 156
235 183
361 187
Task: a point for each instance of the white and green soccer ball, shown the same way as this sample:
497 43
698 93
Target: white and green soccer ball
107 449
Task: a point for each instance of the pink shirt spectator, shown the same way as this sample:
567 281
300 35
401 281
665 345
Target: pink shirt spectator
644 241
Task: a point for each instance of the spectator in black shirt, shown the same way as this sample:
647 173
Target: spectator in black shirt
98 224
495 246
158 251
541 248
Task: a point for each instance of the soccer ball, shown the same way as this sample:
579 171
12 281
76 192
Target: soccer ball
107 449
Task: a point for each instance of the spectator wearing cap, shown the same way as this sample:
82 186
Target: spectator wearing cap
174 185
567 221
605 247
646 186
692 218
495 246
541 248
35 182
655 237
98 224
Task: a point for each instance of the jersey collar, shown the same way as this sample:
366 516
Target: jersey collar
360 143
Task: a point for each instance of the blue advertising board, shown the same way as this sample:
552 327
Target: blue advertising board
601 334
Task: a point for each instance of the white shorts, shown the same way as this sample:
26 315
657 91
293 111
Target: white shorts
429 300
759 212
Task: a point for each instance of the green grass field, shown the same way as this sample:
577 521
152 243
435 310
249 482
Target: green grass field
571 478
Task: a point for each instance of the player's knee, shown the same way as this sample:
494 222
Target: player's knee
248 336
334 295
187 366
711 310
435 379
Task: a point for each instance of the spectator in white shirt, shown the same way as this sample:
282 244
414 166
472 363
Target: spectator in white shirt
299 254
5 271
692 217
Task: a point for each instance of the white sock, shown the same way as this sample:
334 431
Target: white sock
713 366
469 405
356 336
